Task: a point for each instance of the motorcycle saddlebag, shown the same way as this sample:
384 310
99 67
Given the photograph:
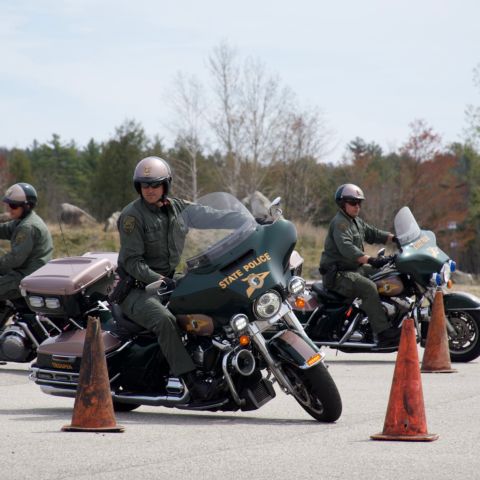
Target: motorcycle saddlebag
64 286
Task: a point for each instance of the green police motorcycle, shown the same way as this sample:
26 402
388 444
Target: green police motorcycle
232 308
407 286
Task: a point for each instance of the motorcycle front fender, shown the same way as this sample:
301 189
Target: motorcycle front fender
290 347
460 301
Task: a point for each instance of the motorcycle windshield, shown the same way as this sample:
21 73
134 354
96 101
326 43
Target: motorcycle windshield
215 224
406 227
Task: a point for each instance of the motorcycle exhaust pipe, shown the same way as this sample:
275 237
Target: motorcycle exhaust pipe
244 362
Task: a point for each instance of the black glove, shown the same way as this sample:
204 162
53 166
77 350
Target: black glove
168 285
379 262
396 241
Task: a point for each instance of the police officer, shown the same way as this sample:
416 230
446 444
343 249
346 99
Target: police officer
345 266
30 240
151 242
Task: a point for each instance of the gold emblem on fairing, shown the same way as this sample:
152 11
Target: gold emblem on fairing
433 251
255 280
420 242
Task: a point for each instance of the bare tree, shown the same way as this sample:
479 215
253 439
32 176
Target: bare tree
227 118
252 110
472 113
187 102
302 140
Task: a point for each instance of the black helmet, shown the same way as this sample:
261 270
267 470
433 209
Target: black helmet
21 194
348 191
152 170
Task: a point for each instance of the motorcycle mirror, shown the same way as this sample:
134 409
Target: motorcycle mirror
274 210
381 252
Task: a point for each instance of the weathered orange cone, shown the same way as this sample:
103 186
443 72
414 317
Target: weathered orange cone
405 419
436 357
93 408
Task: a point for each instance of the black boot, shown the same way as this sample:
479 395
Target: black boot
389 337
200 390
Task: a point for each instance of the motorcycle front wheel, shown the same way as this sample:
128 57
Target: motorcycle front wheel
315 391
464 343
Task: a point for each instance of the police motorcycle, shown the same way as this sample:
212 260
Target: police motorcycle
407 285
32 319
231 307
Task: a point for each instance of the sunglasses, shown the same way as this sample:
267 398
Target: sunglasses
146 185
13 206
354 203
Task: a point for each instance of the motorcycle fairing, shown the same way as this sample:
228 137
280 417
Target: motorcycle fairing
248 270
422 257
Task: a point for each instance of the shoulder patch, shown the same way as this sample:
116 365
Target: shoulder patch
20 237
128 224
343 226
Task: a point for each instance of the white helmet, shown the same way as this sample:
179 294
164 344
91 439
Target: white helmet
152 170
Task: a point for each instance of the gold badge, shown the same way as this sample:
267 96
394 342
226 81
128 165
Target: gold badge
129 224
255 280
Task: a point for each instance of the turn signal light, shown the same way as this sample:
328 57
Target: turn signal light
244 340
449 284
300 302
313 360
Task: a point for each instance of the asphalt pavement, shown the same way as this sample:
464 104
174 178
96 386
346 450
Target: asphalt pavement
279 441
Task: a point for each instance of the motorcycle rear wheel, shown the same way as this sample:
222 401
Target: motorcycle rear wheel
315 391
464 346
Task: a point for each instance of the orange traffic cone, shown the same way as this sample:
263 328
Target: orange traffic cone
436 358
405 418
93 408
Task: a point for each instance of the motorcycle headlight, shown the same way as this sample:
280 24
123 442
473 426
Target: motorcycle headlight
267 305
442 277
36 301
53 303
239 322
296 285
446 273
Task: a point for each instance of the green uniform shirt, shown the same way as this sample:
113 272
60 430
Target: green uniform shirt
31 245
344 242
152 238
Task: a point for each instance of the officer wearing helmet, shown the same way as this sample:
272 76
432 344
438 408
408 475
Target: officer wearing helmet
152 236
345 266
30 241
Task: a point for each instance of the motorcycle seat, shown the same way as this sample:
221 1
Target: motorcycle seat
124 327
327 295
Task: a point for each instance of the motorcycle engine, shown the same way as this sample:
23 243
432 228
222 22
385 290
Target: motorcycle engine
15 346
396 307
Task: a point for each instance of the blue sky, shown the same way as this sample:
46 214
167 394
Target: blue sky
79 68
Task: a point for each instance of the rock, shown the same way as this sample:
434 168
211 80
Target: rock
111 223
75 216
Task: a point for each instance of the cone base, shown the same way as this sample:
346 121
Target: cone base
446 370
71 428
427 437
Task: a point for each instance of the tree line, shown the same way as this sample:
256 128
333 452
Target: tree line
248 132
